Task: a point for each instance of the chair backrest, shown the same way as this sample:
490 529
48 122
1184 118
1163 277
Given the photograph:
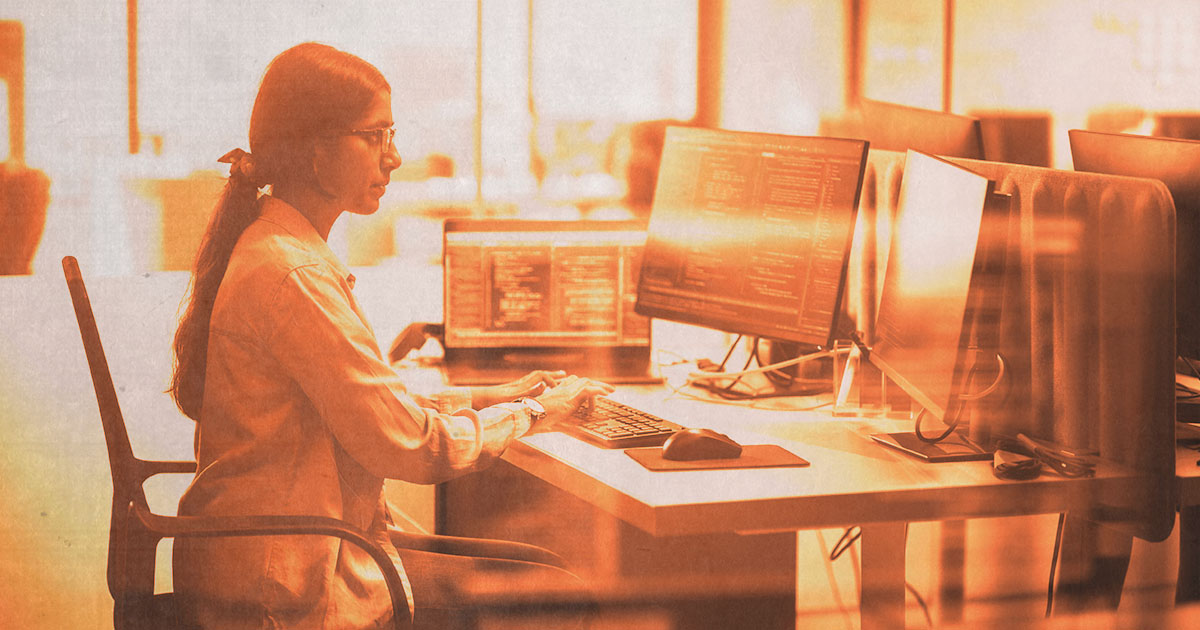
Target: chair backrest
131 547
120 453
24 199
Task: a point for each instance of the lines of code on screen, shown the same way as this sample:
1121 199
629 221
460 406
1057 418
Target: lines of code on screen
751 232
547 287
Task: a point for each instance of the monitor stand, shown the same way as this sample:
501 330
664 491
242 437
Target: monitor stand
955 448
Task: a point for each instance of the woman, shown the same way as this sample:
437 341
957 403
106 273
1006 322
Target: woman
296 411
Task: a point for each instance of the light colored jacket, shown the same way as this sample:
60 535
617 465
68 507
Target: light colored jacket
303 415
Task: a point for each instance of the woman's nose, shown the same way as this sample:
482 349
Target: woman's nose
391 157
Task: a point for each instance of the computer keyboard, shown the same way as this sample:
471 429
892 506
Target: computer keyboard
611 424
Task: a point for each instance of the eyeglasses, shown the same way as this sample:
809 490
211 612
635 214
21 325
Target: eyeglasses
381 135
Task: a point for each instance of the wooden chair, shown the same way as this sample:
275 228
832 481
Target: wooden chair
135 531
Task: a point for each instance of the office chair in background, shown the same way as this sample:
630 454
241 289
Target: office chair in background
24 199
135 531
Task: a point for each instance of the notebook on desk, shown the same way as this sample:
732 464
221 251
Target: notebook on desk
524 295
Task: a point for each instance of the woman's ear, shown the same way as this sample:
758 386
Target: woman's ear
319 160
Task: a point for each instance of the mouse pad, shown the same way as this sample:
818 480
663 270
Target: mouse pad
753 456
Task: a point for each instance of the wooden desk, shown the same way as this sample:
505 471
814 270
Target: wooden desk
852 481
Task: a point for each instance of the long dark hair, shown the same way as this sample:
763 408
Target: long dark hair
307 91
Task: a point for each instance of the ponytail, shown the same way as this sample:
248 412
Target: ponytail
235 211
308 90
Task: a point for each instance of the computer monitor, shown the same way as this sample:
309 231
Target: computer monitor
750 232
1175 162
522 295
940 287
1180 124
895 127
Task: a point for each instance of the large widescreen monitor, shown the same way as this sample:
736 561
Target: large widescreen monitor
750 232
1176 163
939 288
895 127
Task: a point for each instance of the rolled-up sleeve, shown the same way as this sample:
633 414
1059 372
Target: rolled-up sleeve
322 342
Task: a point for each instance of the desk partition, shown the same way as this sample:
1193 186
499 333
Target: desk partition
1088 324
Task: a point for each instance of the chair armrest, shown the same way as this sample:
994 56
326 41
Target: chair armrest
236 526
150 468
476 547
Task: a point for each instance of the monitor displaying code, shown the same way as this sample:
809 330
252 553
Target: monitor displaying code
750 233
542 284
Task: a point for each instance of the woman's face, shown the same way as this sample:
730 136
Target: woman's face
354 167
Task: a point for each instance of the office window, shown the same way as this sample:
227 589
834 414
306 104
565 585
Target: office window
784 65
596 68
199 65
1086 63
903 52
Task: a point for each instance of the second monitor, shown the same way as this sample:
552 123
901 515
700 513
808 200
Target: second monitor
938 318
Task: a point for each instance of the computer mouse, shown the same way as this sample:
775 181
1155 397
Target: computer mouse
694 444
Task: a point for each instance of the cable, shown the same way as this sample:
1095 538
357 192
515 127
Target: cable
731 392
704 376
990 388
850 536
950 427
1057 459
679 358
953 421
747 401
1062 516
782 377
727 391
1188 392
728 353
921 602
832 579
779 381
1191 366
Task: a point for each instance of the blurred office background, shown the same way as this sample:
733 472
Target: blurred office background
533 107
529 108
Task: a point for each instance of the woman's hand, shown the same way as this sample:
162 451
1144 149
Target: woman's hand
531 385
562 400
